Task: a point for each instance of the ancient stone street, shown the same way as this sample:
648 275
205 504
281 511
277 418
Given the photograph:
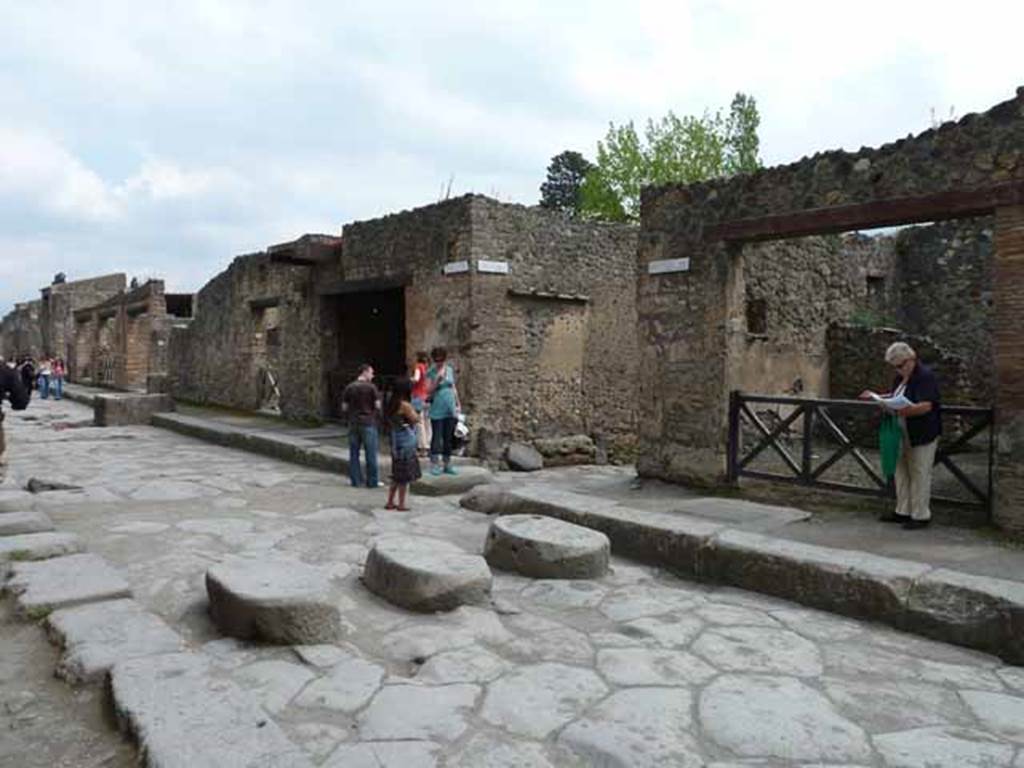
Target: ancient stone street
636 668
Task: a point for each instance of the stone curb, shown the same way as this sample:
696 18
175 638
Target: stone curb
947 605
295 450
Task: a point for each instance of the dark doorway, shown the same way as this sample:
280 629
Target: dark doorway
370 327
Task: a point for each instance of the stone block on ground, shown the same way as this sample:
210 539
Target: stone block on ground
842 581
16 501
445 485
546 548
281 601
184 716
566 451
484 498
121 409
62 582
976 611
38 546
98 635
16 523
523 458
426 575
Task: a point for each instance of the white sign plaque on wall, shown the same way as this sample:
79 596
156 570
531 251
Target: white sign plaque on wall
665 266
456 267
492 267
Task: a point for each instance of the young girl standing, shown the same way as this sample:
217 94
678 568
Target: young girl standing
405 465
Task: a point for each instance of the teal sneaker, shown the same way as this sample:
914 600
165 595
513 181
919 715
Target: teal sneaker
435 470
449 470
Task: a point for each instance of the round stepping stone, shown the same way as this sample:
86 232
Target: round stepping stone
546 548
424 574
281 601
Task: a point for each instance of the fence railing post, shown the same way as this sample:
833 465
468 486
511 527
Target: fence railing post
732 449
807 454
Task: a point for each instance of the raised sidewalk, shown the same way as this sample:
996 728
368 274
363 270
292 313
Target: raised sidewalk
946 604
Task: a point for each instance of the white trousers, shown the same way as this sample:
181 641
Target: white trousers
914 480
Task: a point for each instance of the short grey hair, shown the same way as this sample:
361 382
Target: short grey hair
899 352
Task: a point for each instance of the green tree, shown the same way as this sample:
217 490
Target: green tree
561 191
673 149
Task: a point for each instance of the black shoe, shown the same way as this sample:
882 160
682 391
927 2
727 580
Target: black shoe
893 518
913 525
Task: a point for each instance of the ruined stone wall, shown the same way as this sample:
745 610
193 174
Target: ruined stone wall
122 341
686 318
790 291
945 292
218 358
59 303
21 331
554 340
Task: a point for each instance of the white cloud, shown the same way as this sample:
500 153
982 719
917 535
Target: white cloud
40 169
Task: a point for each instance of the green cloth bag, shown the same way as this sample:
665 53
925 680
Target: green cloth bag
890 443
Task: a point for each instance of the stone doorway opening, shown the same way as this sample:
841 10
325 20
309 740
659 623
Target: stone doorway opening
370 328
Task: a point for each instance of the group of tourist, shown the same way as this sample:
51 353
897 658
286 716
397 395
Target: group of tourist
47 376
421 414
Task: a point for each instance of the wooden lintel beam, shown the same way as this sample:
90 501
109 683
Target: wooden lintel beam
952 204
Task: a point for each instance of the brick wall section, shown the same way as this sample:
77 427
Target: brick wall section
1008 341
688 355
120 342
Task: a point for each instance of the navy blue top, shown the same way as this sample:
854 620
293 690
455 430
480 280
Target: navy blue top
921 387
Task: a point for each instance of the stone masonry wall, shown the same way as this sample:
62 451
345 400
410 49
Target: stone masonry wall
20 331
216 358
554 340
687 362
59 303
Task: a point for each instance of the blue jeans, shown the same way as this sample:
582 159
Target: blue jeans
57 384
363 436
441 438
44 386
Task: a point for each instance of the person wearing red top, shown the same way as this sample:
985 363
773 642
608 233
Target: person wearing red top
419 400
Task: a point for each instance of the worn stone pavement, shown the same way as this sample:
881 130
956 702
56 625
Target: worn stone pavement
635 669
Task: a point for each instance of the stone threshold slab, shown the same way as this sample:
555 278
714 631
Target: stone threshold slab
37 546
17 523
974 611
184 716
283 446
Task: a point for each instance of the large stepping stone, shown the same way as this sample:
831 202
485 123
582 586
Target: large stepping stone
62 582
16 523
445 485
184 716
98 635
546 548
426 575
38 546
280 601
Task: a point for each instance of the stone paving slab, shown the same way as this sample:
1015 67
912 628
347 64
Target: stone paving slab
16 523
974 611
16 500
96 636
62 582
184 716
38 546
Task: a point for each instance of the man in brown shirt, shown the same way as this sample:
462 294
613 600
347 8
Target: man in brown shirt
361 402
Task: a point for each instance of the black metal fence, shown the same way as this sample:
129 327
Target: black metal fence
802 441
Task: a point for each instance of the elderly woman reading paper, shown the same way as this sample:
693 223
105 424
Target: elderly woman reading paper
915 399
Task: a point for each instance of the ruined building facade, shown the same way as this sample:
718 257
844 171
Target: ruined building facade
699 244
538 312
122 342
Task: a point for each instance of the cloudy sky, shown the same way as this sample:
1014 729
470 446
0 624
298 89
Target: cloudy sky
163 138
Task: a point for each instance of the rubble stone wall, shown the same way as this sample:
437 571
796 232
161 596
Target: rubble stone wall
688 320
